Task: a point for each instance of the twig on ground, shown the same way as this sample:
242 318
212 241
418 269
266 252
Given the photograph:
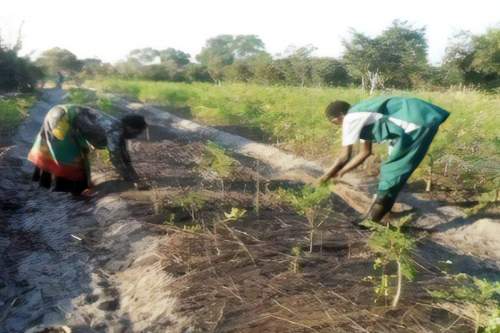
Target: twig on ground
221 315
243 246
284 307
289 321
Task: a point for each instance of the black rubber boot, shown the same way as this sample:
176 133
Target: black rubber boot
380 208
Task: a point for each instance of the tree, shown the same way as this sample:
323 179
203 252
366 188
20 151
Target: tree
17 73
172 55
397 57
265 70
223 50
486 57
239 71
197 72
474 59
216 54
246 46
145 56
299 60
58 59
329 72
457 58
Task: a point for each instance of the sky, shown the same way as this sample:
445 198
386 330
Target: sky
109 29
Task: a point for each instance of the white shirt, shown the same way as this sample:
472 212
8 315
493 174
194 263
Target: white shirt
354 122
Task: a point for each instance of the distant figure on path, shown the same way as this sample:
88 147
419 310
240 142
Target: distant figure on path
60 80
407 124
60 151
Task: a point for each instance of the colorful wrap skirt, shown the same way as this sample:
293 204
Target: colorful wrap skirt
59 149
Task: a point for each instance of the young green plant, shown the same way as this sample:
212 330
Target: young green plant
391 246
216 161
312 203
478 299
192 203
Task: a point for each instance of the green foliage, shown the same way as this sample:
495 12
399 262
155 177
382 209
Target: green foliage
216 160
474 59
90 98
191 203
59 60
17 73
485 201
235 214
391 246
12 112
480 299
310 202
222 50
398 55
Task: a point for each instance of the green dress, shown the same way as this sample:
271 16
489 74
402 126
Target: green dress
409 124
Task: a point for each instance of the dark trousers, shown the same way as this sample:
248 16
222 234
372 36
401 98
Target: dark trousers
61 184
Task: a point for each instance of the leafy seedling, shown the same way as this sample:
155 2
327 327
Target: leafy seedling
312 203
479 300
192 203
391 246
216 161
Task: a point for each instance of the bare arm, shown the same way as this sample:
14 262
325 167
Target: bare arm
120 158
366 150
344 157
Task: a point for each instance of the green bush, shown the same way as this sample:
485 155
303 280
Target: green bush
12 112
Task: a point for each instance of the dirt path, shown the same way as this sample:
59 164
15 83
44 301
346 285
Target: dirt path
84 264
448 225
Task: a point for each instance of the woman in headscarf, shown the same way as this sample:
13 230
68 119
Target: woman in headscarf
60 151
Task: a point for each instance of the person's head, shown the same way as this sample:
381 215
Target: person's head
335 111
133 125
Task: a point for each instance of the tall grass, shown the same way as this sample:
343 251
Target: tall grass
12 112
468 144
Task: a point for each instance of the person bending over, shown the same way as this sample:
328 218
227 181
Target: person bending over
60 152
407 124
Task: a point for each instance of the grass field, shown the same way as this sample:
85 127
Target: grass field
12 112
466 150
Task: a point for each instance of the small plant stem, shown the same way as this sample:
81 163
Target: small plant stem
257 191
311 238
428 186
395 301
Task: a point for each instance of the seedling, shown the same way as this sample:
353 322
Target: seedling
479 298
391 246
310 202
158 199
170 219
216 161
295 262
193 202
234 215
485 201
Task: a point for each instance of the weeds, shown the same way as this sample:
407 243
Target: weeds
391 246
310 202
12 112
90 98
